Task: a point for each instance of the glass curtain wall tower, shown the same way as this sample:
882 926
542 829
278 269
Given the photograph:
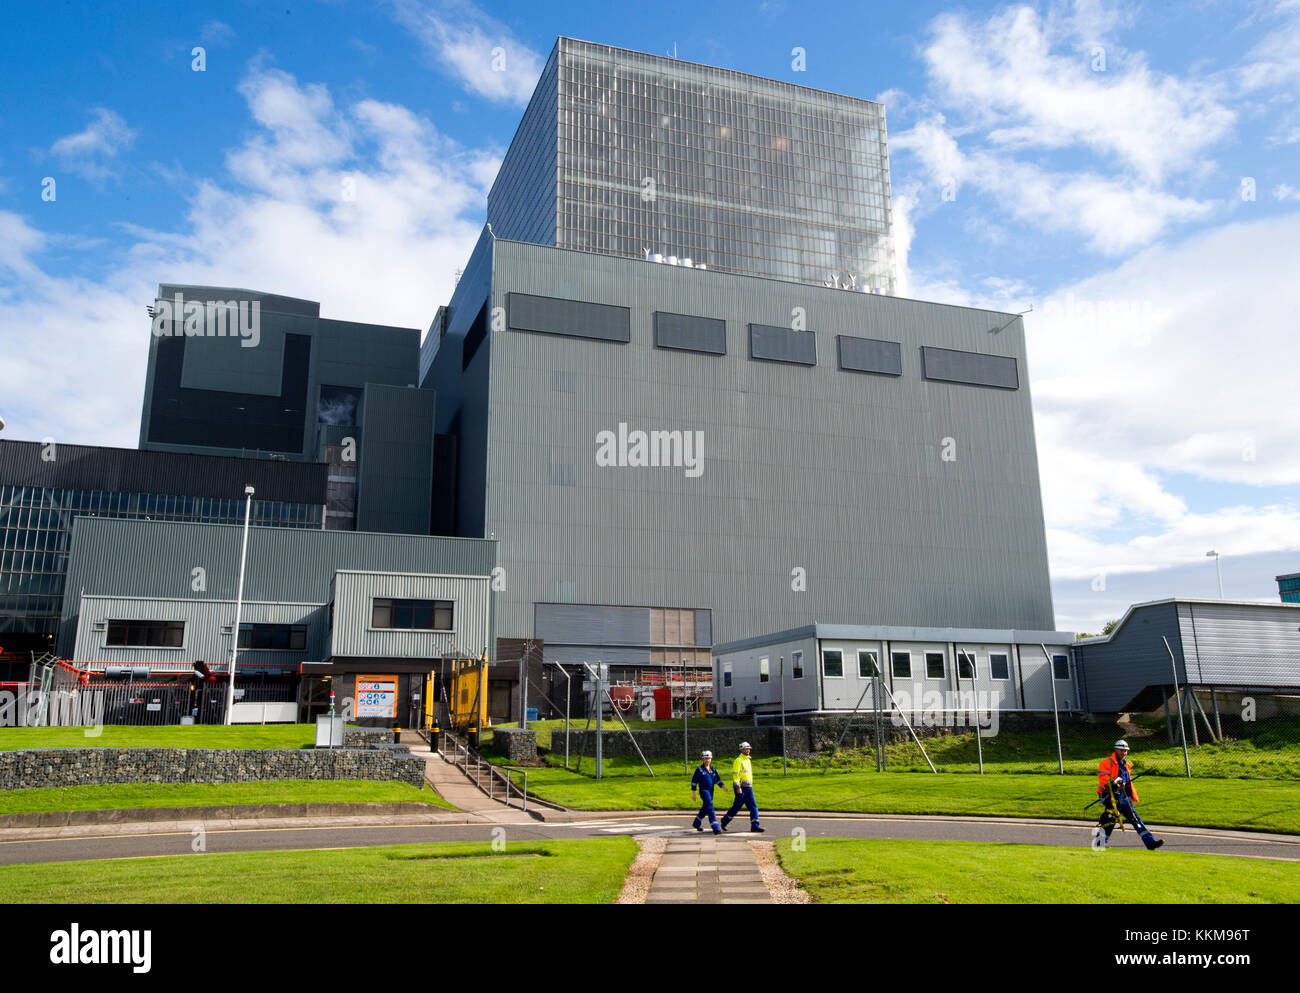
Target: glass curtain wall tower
623 153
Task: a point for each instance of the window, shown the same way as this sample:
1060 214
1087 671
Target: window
1060 667
726 674
934 665
902 665
998 667
291 637
867 666
965 664
411 615
146 634
796 665
764 670
832 664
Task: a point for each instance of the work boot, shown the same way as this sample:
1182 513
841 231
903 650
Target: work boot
758 829
1154 843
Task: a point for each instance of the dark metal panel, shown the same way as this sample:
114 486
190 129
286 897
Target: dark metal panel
573 318
972 368
128 470
870 355
395 474
774 344
691 334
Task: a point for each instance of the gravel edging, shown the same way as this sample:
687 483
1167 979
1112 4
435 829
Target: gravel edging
636 887
782 887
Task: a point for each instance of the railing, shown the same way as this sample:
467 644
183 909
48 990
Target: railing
461 755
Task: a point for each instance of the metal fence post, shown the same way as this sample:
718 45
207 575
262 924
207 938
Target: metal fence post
1182 731
1056 717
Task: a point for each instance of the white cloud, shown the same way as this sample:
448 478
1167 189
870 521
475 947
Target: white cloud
216 33
1180 360
1009 74
89 153
1113 214
279 221
1284 192
481 51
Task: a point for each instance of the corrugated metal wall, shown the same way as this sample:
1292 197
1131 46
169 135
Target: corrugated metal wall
205 635
158 559
817 469
1241 645
353 636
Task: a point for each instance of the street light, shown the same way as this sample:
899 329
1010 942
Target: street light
239 604
1217 568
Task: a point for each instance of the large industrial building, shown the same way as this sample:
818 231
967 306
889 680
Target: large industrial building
672 390
241 372
46 486
737 436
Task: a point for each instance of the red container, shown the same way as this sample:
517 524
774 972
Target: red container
663 703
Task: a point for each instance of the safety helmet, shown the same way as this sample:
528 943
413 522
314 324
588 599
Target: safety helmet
744 745
1121 744
706 754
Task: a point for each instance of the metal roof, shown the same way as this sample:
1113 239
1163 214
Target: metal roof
890 632
1101 639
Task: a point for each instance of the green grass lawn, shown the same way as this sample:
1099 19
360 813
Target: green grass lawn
570 871
841 870
1226 803
204 795
169 736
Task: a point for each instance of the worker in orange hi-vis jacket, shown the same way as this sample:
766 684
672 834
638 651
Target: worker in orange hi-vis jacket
1119 797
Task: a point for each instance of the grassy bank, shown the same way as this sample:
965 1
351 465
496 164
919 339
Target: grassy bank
839 870
576 871
203 795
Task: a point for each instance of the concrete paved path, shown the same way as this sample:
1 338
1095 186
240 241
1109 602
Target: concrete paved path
708 869
457 787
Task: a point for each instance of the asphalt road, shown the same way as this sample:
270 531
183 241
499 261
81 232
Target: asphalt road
167 841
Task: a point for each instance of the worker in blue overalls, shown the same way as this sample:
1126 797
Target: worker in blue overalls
706 777
742 779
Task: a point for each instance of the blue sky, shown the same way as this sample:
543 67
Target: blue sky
1131 171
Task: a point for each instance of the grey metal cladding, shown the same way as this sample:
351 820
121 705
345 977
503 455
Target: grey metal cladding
690 334
574 318
582 623
869 355
971 368
776 344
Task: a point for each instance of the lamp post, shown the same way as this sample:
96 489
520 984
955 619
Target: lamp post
1217 568
239 604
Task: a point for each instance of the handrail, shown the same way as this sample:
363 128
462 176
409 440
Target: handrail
492 770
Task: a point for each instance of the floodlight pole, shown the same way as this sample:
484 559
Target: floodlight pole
1056 717
784 762
239 604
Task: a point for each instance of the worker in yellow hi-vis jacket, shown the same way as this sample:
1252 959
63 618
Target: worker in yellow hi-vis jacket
742 781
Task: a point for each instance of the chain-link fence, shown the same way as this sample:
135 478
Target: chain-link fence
1231 734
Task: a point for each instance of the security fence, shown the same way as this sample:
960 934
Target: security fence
1230 733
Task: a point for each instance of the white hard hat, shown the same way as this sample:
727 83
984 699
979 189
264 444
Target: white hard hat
706 754
1121 744
744 745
